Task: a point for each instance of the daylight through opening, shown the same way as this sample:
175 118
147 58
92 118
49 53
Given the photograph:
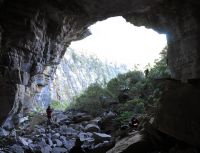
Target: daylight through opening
114 47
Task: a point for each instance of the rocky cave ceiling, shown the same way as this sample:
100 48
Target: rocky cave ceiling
34 35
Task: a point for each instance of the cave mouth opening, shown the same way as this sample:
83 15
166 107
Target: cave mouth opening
114 46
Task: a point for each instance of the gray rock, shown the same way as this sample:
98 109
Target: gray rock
96 121
3 132
109 115
39 129
101 137
69 144
49 141
80 117
25 141
43 146
23 119
59 150
92 128
63 138
86 136
78 127
60 117
13 133
58 143
17 149
69 131
46 149
55 136
125 144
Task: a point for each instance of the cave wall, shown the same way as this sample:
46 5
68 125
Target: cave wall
34 35
180 22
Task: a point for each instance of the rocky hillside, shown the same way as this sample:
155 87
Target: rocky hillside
77 71
74 74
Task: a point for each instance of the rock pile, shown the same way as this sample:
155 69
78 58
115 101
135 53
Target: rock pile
59 137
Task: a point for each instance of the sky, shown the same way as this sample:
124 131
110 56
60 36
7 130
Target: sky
120 42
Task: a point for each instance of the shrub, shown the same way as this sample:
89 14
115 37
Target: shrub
59 105
124 117
90 100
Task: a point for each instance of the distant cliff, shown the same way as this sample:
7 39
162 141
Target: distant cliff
77 71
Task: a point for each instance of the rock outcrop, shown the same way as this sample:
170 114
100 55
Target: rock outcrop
178 114
77 71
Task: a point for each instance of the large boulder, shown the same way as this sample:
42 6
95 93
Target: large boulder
96 121
101 137
17 149
108 123
92 128
179 114
3 132
81 117
60 117
133 143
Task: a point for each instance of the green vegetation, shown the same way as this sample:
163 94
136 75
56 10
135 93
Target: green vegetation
59 105
127 94
124 117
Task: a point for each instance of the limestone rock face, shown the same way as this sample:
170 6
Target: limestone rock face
33 39
77 71
179 113
34 35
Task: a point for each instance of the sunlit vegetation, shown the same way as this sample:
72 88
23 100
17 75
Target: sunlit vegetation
58 105
127 94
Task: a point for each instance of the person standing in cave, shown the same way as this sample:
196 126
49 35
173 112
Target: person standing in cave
134 122
49 112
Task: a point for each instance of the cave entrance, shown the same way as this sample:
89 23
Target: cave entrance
115 46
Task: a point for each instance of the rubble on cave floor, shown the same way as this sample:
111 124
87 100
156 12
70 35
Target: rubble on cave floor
35 135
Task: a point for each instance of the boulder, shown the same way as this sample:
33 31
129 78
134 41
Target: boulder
109 115
25 141
92 128
3 132
17 149
69 131
46 149
133 143
102 147
69 144
56 135
101 137
179 114
96 121
49 141
86 136
58 142
59 150
80 118
60 118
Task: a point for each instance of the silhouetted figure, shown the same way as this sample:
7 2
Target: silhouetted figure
77 147
146 72
134 122
49 112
